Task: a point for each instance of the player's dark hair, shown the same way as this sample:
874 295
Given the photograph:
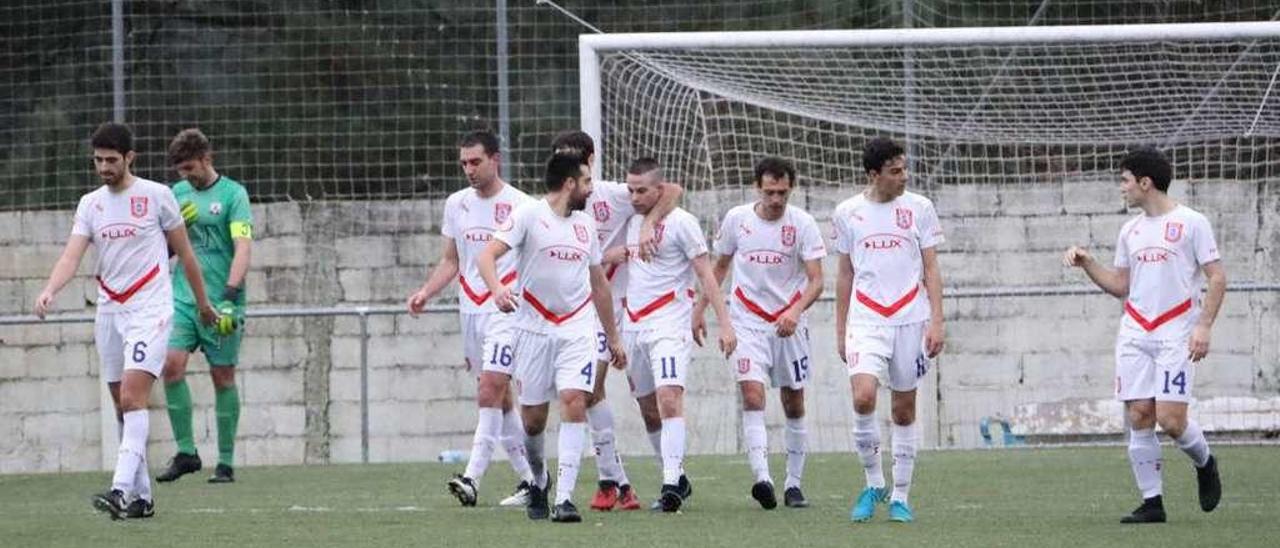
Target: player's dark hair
113 136
561 167
189 144
1147 161
482 137
643 165
879 151
777 168
572 140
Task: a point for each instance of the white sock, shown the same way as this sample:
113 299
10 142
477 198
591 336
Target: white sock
757 439
655 439
488 425
608 463
573 436
142 480
672 450
1144 457
904 460
512 440
533 446
133 451
866 439
797 443
1193 444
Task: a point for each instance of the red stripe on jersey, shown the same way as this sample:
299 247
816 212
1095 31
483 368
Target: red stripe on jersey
891 309
123 296
1152 325
480 298
613 269
549 315
758 310
649 308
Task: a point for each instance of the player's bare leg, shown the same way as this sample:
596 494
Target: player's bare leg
614 488
756 436
177 395
671 409
572 440
130 480
535 423
796 441
904 453
866 440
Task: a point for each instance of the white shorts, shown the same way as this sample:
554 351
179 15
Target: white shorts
602 342
132 339
486 343
764 357
657 357
1147 369
894 354
547 363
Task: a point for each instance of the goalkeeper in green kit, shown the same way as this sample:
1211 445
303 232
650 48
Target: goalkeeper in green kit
216 211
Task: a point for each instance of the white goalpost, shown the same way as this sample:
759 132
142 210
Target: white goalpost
1015 132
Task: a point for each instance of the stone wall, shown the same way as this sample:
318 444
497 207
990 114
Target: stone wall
1045 360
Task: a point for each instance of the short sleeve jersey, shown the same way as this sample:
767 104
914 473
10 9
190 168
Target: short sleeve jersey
1164 256
659 291
555 255
128 229
470 220
768 261
883 242
223 215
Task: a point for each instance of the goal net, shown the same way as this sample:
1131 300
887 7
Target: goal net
1015 133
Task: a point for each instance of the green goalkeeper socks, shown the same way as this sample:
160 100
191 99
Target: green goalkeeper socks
177 397
227 409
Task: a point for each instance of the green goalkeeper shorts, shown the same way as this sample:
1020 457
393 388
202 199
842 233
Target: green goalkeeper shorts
189 334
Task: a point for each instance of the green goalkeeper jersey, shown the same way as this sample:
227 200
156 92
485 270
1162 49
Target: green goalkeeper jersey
223 215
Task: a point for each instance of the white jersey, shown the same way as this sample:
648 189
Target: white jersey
659 292
128 229
610 204
554 255
1164 255
768 261
884 242
471 220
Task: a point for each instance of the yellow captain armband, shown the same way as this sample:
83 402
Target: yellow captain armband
241 229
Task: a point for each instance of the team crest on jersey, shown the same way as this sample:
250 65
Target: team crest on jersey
215 208
601 210
903 217
744 365
500 212
789 235
138 206
1172 232
580 232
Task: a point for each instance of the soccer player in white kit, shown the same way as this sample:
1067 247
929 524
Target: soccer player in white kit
471 216
610 206
888 314
554 339
1163 258
133 223
657 330
775 251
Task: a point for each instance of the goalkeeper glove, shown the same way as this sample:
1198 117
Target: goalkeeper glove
228 319
189 212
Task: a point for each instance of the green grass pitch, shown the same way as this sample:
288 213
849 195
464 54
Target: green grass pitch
1034 498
